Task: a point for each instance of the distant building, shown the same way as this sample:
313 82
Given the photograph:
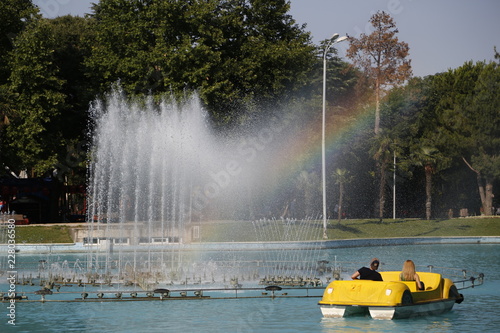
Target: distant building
38 199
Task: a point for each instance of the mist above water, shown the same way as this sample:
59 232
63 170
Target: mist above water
158 171
163 163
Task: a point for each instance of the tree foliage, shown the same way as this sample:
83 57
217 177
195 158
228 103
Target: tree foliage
228 51
232 52
14 16
476 124
39 100
446 122
244 57
51 96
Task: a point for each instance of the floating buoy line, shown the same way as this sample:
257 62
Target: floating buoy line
162 294
167 295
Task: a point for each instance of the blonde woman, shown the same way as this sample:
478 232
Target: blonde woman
408 274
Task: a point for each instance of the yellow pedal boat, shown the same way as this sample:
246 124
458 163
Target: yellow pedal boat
390 298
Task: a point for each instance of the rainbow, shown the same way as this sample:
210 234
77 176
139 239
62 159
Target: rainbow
304 152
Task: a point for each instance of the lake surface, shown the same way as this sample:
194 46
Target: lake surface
479 311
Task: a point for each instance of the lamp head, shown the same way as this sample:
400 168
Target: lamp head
334 37
341 39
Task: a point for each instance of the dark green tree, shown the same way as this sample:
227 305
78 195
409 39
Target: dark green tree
445 120
480 131
452 128
72 44
33 136
231 52
48 95
14 16
416 134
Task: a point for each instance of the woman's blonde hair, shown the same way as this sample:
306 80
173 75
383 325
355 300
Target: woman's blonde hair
408 271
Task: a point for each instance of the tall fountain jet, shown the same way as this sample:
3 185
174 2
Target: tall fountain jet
157 172
148 172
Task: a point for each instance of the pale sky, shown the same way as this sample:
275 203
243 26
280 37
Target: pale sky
442 34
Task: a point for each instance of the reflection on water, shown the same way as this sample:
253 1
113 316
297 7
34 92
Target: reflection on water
478 311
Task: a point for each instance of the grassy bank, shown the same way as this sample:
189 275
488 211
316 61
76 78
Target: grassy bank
349 229
416 228
31 234
246 231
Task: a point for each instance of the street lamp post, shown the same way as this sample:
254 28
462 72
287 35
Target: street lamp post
394 188
333 40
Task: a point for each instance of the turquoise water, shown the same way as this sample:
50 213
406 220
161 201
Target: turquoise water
479 311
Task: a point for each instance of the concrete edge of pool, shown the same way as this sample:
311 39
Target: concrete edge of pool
249 246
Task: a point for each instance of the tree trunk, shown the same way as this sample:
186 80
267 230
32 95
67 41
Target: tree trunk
341 194
485 192
428 191
381 191
480 187
488 198
377 106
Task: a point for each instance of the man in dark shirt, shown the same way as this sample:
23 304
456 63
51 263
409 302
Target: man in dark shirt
365 273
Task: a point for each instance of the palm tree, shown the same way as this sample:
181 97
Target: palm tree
432 160
308 186
341 177
382 154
